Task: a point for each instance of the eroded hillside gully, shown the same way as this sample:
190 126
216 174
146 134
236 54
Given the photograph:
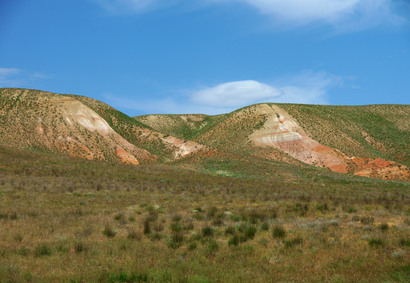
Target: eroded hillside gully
283 132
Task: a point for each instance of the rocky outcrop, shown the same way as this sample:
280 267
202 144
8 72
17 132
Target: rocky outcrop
380 168
283 132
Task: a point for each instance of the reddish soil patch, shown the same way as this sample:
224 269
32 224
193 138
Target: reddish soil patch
126 157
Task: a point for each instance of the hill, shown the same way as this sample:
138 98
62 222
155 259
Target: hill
367 141
82 127
370 141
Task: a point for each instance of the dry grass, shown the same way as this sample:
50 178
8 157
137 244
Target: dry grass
69 220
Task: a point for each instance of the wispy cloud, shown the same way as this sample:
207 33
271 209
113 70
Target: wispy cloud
9 71
343 14
14 77
134 6
308 88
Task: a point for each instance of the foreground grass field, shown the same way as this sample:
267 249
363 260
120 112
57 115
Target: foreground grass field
70 220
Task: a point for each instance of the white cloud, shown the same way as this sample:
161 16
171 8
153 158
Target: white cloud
234 94
133 6
9 77
307 88
342 13
13 77
8 71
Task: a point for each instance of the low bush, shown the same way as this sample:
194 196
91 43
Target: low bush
42 250
384 227
109 232
278 232
375 242
293 242
207 231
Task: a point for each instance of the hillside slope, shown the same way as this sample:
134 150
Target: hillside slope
371 131
81 127
165 146
368 141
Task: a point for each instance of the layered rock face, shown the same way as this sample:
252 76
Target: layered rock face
283 132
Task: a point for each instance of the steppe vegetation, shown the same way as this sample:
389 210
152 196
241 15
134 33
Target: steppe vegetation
64 219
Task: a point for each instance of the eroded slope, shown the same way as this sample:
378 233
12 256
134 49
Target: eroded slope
52 122
283 132
82 127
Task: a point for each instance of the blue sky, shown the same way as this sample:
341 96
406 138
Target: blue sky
209 56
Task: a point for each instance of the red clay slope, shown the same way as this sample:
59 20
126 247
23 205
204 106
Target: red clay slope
283 132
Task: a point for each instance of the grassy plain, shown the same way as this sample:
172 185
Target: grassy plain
70 220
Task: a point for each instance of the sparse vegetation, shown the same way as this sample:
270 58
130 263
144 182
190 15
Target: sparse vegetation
164 202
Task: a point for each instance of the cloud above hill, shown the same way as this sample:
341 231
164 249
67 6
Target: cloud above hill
234 94
307 88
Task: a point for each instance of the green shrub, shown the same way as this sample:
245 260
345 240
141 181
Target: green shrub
176 240
120 217
147 226
133 234
192 246
156 236
236 218
23 251
384 227
322 207
207 231
18 237
356 218
158 227
230 230
212 247
265 226
293 242
109 232
404 242
176 217
234 240
219 220
351 209
79 247
127 277
42 250
367 220
278 232
375 242
176 227
250 232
